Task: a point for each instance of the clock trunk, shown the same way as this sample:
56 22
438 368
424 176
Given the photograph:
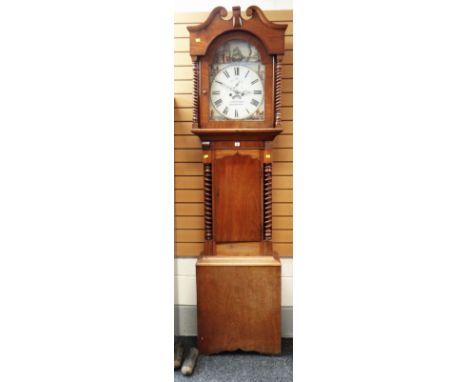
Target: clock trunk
237 192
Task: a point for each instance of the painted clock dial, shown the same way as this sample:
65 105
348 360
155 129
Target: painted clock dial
237 83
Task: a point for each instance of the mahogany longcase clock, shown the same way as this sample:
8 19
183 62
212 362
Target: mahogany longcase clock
237 114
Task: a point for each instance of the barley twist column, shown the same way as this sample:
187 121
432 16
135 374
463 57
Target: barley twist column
196 81
267 201
208 203
278 91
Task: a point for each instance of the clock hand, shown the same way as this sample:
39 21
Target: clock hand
221 83
237 93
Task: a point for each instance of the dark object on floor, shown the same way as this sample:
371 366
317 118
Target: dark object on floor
190 362
240 366
178 354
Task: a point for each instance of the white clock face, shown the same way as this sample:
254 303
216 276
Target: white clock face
237 92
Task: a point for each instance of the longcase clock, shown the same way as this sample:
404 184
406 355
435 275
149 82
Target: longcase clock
237 115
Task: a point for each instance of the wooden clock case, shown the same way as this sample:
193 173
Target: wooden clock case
238 273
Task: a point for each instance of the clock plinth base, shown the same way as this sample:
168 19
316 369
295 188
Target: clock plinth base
239 304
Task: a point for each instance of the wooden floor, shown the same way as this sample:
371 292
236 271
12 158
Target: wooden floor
240 366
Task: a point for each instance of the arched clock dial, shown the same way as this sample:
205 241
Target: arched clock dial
237 83
237 92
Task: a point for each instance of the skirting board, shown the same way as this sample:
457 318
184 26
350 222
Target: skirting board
185 320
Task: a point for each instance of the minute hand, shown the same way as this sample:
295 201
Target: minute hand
221 83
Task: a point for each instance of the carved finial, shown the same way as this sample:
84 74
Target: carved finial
236 17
